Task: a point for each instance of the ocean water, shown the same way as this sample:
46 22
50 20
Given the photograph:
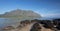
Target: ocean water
9 21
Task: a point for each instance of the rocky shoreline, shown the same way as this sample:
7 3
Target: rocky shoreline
35 25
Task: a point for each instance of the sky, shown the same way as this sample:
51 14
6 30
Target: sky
46 8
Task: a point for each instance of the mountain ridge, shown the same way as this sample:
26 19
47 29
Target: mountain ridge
21 13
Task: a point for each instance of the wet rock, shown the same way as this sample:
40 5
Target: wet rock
35 27
8 28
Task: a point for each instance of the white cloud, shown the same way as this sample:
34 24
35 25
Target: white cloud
50 15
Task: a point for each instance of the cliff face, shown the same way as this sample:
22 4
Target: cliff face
21 13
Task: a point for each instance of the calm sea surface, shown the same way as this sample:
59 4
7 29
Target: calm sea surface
9 21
